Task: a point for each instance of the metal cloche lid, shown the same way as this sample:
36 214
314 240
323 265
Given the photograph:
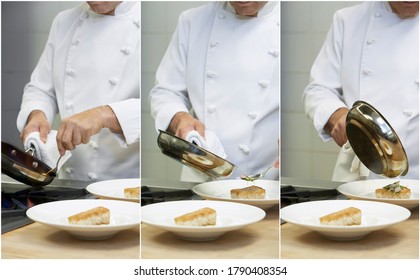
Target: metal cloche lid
375 142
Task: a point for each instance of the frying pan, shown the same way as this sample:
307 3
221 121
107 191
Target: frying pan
24 167
193 156
374 141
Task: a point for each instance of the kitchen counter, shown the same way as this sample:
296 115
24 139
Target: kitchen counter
37 241
400 241
256 241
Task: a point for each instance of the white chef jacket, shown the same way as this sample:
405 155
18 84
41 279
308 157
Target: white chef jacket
370 54
92 60
225 68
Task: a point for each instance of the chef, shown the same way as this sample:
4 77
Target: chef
371 53
89 74
220 73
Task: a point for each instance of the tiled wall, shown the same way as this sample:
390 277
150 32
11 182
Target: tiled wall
25 27
304 26
24 31
159 20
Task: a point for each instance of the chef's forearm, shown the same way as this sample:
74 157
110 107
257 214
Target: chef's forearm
109 119
335 118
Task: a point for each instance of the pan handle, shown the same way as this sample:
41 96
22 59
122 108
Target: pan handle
31 150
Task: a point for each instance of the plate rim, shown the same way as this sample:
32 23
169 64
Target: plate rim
200 229
264 201
405 201
355 229
106 196
71 227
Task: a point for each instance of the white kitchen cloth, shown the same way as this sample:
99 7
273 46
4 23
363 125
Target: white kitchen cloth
349 167
46 152
211 143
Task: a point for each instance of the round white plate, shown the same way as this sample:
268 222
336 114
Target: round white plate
220 190
229 216
124 215
365 190
113 189
375 216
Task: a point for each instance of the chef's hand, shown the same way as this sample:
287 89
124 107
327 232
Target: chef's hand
78 128
336 126
37 121
182 123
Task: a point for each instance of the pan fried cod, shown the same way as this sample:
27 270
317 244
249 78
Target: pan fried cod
394 191
95 216
251 192
132 192
347 217
202 217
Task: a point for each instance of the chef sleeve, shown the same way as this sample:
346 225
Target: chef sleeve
170 95
323 96
128 115
39 93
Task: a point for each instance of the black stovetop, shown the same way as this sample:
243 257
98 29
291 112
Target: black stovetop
16 198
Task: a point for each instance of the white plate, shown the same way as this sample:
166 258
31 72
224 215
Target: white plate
375 216
124 215
113 189
230 216
220 190
365 190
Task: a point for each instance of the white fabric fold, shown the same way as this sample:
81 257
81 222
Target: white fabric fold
46 152
211 142
349 167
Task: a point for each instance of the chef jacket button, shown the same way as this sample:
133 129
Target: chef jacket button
244 149
214 44
221 16
70 72
274 53
126 51
211 108
263 83
92 176
252 115
113 81
366 71
211 74
136 23
85 15
378 14
69 170
408 112
75 42
370 41
68 106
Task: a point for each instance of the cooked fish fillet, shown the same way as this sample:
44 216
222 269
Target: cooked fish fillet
96 216
201 217
346 217
402 194
132 192
252 192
